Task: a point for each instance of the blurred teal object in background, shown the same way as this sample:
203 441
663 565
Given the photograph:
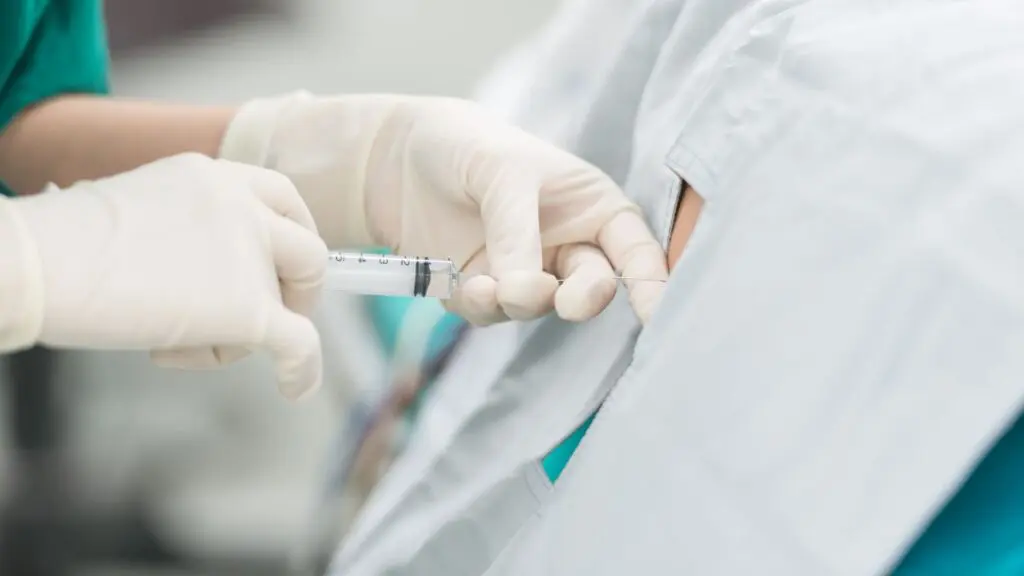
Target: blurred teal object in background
387 314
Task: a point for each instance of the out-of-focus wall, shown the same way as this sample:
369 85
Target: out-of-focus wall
421 46
223 464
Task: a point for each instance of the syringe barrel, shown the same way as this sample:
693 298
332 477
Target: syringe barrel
391 275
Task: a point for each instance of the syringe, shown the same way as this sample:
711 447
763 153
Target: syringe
392 275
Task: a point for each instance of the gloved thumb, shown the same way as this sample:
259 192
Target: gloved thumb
294 342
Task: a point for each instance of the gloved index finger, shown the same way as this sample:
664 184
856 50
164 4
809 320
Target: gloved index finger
274 190
638 256
510 212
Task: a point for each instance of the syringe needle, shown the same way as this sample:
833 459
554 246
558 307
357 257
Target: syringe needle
623 278
635 279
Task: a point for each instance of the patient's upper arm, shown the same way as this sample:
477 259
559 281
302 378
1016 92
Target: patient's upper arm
686 218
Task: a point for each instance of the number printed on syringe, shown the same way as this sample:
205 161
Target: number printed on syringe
391 275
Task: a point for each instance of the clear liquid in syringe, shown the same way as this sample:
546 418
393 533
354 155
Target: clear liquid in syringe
391 275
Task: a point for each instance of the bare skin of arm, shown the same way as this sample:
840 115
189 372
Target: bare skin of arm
72 138
686 219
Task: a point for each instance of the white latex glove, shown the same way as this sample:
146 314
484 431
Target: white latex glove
197 260
440 177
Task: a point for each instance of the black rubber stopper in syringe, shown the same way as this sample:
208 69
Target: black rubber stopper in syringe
421 280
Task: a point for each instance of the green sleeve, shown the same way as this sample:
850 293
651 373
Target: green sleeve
48 48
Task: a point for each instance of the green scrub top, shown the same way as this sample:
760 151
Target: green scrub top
48 48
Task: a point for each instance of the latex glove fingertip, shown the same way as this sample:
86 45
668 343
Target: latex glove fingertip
306 391
477 302
192 358
299 382
294 342
644 297
525 295
230 354
581 298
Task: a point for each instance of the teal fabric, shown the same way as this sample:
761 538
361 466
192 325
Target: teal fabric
556 460
48 48
388 314
980 532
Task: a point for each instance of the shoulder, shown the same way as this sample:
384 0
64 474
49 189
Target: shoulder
18 21
47 48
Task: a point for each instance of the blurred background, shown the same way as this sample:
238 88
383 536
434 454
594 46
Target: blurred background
109 466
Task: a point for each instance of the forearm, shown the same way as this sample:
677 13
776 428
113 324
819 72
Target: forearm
74 138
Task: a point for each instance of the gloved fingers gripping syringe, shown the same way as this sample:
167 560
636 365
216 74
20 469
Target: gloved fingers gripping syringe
393 275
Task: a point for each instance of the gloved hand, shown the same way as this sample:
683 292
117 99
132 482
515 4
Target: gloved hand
197 260
439 177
